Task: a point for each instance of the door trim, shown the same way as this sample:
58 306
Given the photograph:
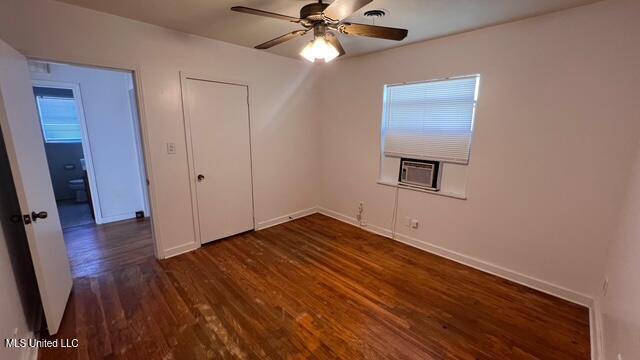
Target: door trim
143 122
184 77
139 151
86 144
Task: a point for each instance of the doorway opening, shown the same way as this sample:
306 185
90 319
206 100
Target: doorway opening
59 109
93 145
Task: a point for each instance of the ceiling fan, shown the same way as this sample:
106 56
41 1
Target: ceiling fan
323 19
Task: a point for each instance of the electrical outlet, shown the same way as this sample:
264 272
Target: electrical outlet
407 221
171 148
360 212
415 223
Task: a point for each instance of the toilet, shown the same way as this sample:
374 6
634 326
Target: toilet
78 186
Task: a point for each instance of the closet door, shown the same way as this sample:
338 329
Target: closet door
218 118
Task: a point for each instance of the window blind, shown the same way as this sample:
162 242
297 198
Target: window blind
430 120
59 118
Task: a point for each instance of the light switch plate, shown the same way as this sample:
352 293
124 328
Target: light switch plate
171 148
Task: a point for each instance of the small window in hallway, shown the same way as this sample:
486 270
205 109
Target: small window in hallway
58 116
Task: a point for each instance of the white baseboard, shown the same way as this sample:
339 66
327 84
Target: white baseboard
178 250
260 225
114 218
595 318
475 263
529 281
175 251
353 221
597 332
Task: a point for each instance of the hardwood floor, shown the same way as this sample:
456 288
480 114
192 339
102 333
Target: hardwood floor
94 249
313 288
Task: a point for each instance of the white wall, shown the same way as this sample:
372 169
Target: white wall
111 137
621 305
556 126
282 133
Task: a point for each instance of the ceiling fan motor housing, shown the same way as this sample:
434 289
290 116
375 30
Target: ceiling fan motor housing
313 12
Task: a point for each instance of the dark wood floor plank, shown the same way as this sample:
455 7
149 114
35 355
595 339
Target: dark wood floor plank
102 248
313 288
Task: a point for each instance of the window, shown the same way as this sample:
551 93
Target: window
430 120
59 119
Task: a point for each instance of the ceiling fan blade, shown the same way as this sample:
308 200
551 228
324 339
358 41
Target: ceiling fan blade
340 9
281 39
380 32
247 10
333 40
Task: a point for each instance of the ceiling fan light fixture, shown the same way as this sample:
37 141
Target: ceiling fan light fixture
325 20
319 48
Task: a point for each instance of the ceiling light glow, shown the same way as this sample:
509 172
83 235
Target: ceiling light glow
319 48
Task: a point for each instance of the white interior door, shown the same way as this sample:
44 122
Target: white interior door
218 114
23 138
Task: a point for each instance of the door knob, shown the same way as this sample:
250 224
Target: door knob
200 178
15 219
40 215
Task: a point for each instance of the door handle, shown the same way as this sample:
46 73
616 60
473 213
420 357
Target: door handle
15 219
200 178
39 215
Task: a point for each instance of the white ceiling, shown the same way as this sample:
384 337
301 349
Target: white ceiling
425 19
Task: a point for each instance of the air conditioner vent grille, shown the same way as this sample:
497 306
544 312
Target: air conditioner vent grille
421 173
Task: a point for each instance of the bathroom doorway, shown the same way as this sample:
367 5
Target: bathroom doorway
89 122
60 110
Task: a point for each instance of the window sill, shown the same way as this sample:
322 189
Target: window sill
439 193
